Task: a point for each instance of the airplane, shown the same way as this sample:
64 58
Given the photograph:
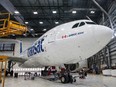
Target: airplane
67 43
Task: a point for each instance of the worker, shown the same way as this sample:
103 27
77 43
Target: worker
49 71
81 74
53 70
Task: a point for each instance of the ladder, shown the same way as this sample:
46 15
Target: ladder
9 27
3 64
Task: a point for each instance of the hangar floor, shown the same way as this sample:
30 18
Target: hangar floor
90 81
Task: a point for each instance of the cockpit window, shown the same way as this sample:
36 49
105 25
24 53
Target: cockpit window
90 22
76 25
81 24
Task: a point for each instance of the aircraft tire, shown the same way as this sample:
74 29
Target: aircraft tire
70 79
64 79
74 80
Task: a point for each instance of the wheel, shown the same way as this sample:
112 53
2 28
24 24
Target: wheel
65 79
70 79
74 80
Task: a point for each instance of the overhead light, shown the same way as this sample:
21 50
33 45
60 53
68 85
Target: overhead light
74 12
56 22
44 29
41 22
35 12
31 29
16 12
92 12
54 12
26 22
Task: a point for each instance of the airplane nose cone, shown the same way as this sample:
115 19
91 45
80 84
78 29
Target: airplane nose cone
103 35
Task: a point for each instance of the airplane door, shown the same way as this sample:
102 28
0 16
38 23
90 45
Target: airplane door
52 36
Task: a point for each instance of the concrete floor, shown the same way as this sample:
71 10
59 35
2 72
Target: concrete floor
90 81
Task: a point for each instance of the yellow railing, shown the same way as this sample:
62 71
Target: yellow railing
3 59
9 27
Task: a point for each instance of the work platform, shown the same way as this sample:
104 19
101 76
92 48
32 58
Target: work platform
9 27
3 64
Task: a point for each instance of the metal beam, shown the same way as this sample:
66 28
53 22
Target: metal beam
39 6
105 13
82 9
10 8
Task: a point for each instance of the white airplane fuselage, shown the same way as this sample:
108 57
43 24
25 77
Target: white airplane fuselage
65 44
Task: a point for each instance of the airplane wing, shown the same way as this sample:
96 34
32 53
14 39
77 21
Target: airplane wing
17 59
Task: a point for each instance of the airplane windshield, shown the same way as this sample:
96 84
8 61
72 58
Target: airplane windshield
90 22
78 25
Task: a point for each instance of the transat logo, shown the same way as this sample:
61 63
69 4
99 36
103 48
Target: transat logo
36 48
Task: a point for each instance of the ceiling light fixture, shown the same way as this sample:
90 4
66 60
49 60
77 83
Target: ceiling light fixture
74 12
35 12
41 22
56 22
54 12
26 22
44 29
16 12
92 12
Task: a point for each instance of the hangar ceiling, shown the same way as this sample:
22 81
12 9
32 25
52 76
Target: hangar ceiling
42 15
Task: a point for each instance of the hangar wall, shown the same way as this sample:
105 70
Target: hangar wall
26 42
6 49
106 58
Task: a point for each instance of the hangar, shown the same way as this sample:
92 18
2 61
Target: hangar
24 21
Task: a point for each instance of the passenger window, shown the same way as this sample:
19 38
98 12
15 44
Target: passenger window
81 24
76 25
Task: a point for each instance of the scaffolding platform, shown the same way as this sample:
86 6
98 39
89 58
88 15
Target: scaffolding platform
9 27
3 65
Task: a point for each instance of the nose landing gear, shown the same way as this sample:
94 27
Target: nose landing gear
67 78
